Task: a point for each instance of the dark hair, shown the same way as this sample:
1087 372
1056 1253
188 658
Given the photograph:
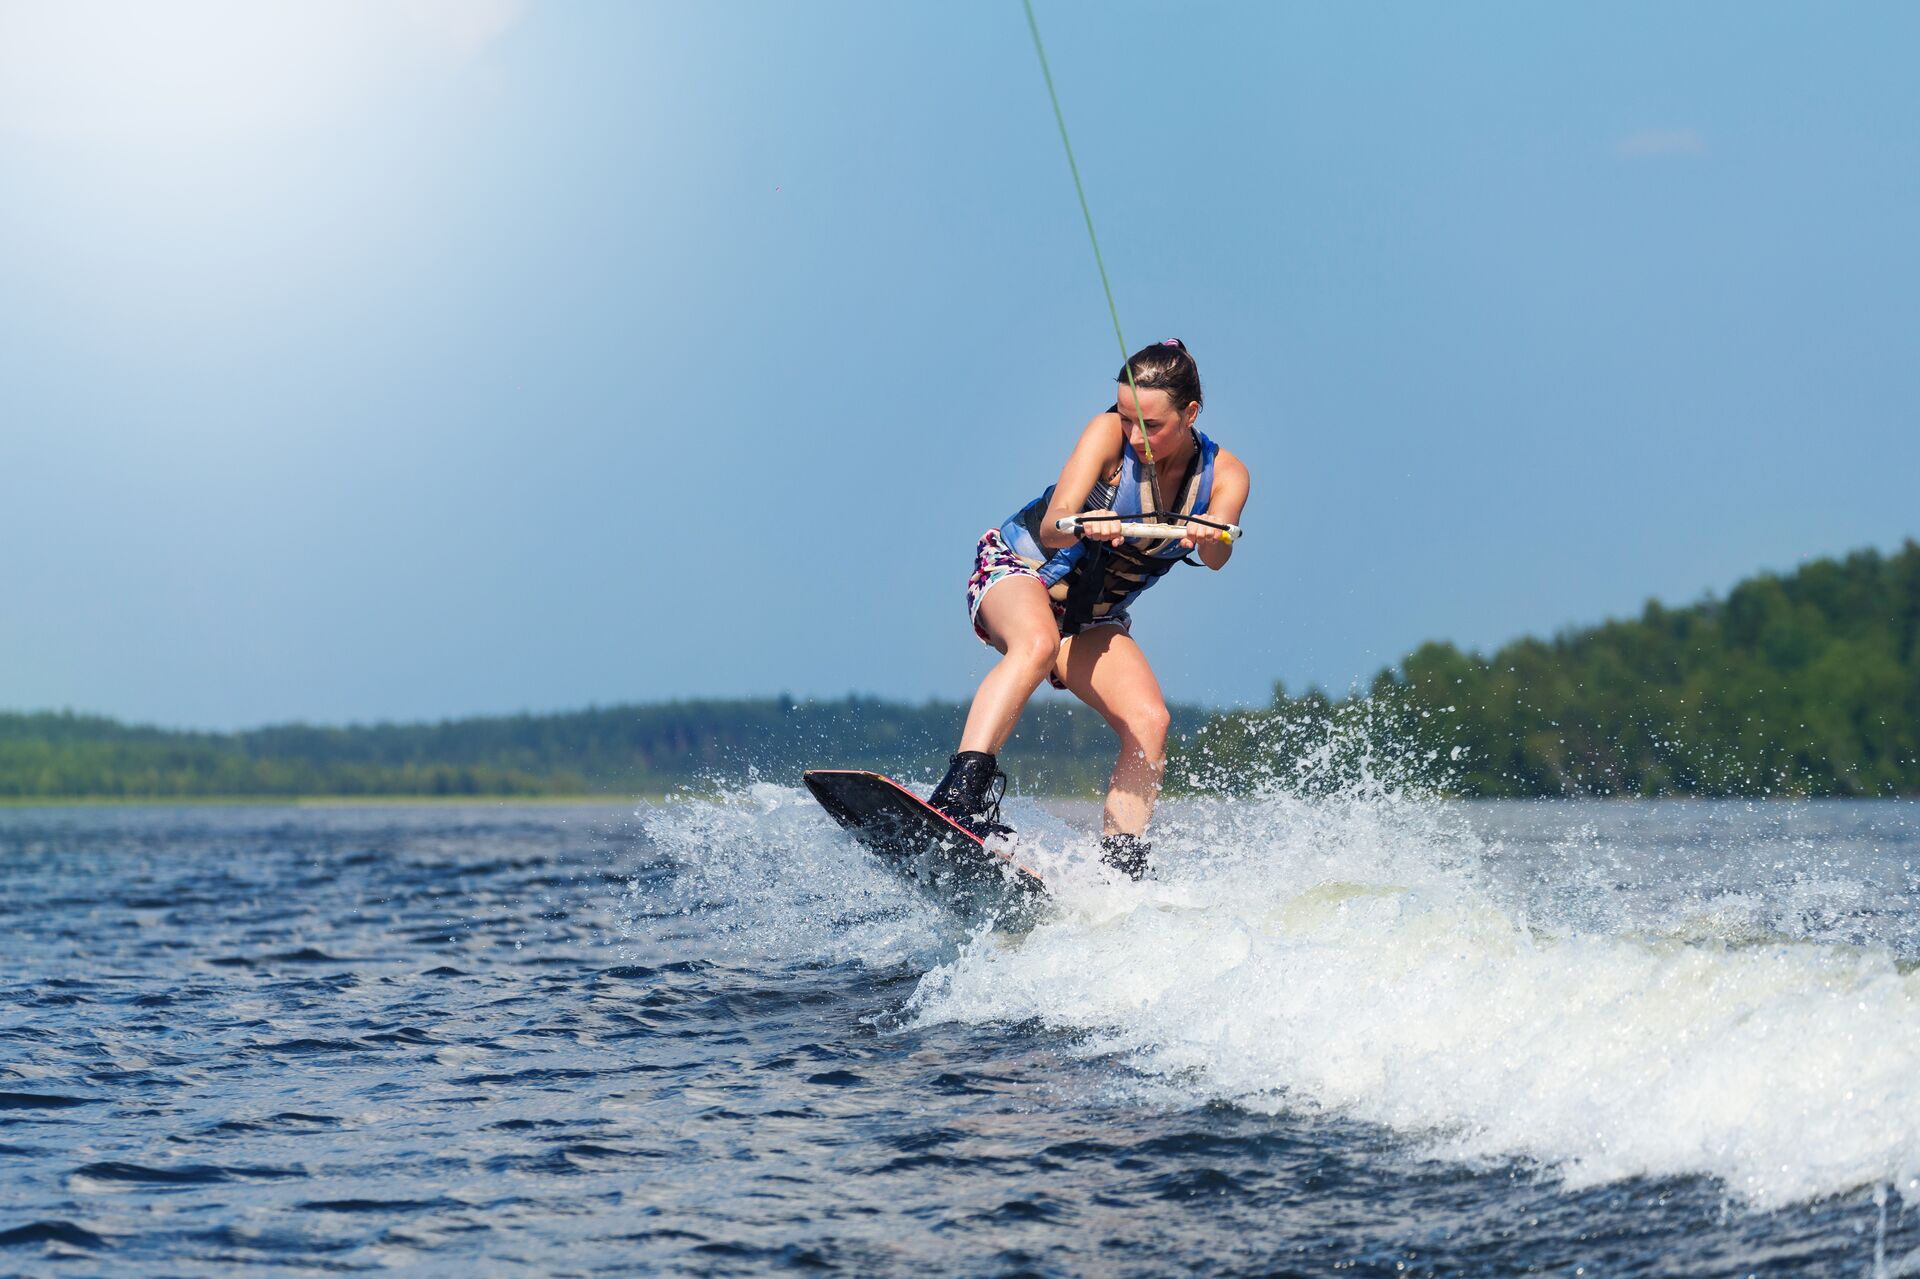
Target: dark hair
1166 366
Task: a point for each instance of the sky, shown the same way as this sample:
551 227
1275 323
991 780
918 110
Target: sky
408 359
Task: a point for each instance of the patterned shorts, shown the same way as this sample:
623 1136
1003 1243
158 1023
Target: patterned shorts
993 560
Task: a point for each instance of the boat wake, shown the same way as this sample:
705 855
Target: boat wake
1603 991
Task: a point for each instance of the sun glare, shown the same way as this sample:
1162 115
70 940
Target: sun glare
204 70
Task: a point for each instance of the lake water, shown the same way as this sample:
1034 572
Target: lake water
1355 1035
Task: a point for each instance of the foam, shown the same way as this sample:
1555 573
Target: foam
759 873
1356 956
1604 1005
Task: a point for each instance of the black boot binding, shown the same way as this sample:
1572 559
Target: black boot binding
963 794
1125 853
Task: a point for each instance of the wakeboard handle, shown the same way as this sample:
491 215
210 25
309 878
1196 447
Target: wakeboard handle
1136 528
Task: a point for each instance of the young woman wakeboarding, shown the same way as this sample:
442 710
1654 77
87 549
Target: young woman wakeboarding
1055 602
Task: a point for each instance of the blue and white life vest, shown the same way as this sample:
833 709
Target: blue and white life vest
1096 582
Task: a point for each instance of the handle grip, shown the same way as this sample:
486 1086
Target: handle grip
1134 528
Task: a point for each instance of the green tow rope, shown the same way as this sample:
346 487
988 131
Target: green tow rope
1126 356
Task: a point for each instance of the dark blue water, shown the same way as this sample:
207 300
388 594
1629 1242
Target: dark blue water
710 1038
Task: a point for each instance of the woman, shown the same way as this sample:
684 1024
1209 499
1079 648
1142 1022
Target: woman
1056 604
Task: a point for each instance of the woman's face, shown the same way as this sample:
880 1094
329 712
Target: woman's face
1155 415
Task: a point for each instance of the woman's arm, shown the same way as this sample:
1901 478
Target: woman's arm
1095 455
1228 500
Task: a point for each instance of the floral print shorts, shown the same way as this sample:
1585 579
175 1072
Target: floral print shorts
993 560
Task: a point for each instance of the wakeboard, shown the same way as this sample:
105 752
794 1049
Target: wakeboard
921 842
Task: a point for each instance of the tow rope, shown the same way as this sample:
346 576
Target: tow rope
1126 355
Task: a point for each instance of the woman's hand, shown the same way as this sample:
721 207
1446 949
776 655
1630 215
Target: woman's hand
1101 526
1200 534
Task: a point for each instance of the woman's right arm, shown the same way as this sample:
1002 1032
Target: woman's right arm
1094 456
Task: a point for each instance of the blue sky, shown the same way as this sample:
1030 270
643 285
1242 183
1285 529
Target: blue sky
425 358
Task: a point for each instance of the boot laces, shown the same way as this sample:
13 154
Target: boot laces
990 806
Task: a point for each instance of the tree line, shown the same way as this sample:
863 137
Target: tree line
1060 748
1799 684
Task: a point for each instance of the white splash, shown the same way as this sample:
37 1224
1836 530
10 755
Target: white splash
761 873
1356 956
1644 1002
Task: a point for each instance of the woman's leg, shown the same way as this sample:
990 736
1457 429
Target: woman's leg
1106 670
1017 615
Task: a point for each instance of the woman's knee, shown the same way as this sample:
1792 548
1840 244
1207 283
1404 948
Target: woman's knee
1034 652
1145 726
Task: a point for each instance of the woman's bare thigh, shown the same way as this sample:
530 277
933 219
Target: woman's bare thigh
1017 608
1108 671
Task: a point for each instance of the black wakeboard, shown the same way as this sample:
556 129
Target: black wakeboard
922 843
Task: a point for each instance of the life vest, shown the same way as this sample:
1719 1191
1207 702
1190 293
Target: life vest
1094 581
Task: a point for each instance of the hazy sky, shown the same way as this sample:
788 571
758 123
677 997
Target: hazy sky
413 358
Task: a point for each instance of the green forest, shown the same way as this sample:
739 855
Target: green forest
1803 684
1061 748
1800 684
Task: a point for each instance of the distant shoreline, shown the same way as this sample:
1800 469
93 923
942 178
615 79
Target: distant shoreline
694 747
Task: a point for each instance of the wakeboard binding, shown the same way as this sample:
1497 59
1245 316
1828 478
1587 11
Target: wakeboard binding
969 795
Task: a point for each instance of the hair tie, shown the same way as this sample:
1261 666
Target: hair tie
1171 342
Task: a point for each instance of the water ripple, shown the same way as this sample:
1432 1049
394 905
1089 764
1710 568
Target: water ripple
535 1040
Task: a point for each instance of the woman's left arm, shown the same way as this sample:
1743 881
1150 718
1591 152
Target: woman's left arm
1228 501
